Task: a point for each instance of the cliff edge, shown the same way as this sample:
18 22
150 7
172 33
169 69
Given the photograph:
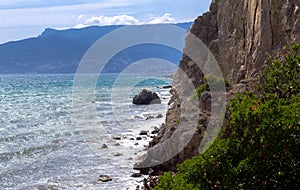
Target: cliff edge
239 34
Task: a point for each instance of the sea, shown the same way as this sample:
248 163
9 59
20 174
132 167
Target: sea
50 140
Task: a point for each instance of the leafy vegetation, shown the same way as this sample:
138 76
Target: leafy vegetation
259 146
213 81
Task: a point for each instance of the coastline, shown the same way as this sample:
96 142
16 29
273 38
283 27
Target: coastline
124 149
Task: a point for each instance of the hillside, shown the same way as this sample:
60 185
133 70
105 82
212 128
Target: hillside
60 51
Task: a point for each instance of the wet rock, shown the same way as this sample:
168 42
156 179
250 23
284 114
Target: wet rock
104 146
116 137
116 154
138 138
146 97
155 130
136 175
159 116
104 178
143 132
136 144
146 186
150 117
167 86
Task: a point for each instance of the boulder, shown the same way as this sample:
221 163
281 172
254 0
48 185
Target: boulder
168 86
104 178
136 175
159 116
143 132
116 138
146 97
155 130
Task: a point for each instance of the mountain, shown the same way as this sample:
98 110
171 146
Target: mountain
60 51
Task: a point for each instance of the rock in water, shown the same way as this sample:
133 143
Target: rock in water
146 97
104 178
136 175
159 116
143 132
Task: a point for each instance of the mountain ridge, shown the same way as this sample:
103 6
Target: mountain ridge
60 51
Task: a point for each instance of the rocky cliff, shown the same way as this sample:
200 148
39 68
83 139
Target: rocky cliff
239 34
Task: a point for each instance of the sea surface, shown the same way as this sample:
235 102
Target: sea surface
45 144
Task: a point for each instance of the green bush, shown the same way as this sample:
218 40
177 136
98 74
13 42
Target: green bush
213 81
259 145
281 78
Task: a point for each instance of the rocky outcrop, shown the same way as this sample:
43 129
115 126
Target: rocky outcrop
239 34
146 97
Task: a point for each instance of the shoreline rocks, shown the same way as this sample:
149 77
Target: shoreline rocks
146 97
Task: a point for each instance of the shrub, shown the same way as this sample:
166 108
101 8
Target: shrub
259 145
281 78
211 81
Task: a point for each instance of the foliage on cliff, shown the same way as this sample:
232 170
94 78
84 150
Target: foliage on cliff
259 146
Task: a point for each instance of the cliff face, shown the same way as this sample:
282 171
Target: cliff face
239 34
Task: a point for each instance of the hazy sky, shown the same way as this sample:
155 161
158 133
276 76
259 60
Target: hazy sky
21 19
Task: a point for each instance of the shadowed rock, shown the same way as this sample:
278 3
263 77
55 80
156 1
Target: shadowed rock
146 97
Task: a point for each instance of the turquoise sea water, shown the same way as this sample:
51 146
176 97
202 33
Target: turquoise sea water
43 146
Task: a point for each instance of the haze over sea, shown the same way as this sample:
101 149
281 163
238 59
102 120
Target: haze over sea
43 147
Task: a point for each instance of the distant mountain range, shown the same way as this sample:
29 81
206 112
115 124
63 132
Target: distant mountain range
60 51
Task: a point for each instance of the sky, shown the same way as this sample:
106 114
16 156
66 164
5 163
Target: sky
20 19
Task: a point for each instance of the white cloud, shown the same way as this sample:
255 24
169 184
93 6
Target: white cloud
109 20
80 17
122 20
166 18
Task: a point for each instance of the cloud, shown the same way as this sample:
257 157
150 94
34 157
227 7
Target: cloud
80 17
109 20
122 20
166 18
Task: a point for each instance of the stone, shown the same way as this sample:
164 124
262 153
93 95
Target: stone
104 178
143 132
104 146
116 137
138 138
167 86
155 130
116 144
136 175
150 117
146 97
116 154
159 116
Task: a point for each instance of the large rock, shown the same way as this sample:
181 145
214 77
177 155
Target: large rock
146 97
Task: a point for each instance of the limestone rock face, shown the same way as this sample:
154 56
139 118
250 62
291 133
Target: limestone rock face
239 33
